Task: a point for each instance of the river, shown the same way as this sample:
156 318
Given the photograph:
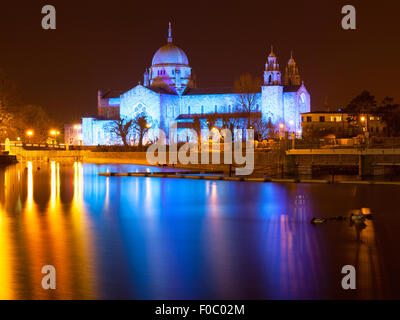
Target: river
151 238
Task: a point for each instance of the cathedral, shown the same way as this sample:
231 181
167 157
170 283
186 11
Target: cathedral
169 95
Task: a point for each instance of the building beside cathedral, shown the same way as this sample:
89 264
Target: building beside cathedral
169 95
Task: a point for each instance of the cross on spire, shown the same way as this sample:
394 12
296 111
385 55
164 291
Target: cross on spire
170 33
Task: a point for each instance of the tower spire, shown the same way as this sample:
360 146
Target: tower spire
170 33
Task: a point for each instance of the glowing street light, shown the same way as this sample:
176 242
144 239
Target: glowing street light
29 133
282 126
54 133
362 119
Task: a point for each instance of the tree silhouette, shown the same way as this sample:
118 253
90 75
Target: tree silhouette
141 126
122 129
363 103
247 88
390 113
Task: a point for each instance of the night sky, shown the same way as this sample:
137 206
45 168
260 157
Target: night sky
108 45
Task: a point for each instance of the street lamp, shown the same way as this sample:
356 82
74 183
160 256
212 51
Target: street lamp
282 129
54 133
29 134
365 123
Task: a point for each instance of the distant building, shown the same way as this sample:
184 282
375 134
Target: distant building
372 124
341 124
73 134
169 95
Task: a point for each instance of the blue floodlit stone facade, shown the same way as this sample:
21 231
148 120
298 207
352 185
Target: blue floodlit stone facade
169 94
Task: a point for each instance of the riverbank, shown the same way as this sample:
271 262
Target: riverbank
265 163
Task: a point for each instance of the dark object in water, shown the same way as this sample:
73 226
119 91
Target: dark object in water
315 221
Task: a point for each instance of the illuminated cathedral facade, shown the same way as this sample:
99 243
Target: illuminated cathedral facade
169 95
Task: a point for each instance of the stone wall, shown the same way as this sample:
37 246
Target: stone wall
266 163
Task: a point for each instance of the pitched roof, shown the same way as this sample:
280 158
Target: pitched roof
291 88
161 90
256 114
204 91
112 94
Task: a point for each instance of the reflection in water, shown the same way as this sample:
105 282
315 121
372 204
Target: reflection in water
127 237
6 267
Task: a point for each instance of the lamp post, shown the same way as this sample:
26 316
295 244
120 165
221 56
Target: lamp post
282 129
364 122
29 134
54 134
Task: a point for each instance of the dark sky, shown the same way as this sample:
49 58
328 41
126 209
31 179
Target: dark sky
108 44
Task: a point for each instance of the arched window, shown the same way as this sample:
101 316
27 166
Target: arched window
189 110
216 109
202 109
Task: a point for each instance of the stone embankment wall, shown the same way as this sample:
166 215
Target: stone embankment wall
265 163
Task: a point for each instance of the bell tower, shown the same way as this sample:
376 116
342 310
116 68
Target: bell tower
272 74
272 91
292 75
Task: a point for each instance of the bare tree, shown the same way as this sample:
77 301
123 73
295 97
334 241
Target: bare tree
8 98
211 121
247 87
35 118
8 92
263 129
5 123
141 126
231 123
122 129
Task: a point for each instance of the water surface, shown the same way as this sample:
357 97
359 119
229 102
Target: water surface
151 238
